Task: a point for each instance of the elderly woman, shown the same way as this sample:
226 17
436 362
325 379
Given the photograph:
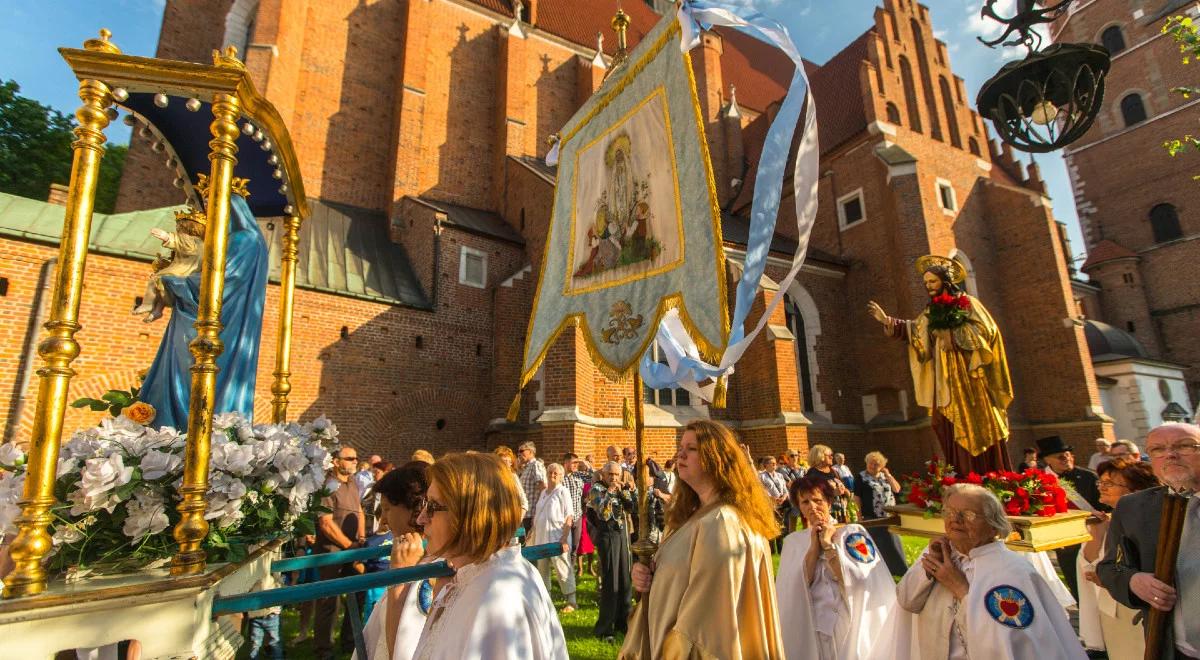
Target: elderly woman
709 592
1104 623
835 594
495 606
970 597
875 489
395 623
552 523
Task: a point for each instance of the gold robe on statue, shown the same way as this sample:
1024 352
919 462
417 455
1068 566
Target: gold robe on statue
712 597
970 384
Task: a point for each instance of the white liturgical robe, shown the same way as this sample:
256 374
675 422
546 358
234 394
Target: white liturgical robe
412 621
1010 613
860 610
498 609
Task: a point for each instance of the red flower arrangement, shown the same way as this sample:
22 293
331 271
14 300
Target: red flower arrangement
947 312
1029 493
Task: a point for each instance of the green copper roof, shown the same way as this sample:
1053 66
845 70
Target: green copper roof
344 250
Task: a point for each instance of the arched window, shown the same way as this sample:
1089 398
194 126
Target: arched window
965 261
910 95
1133 111
1164 222
795 323
893 114
1113 39
239 25
951 116
973 145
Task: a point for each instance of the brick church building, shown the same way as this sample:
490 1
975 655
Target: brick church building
421 126
1141 223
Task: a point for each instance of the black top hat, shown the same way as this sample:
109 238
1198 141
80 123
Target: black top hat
1052 445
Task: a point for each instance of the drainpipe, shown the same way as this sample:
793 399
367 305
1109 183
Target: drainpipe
438 219
29 355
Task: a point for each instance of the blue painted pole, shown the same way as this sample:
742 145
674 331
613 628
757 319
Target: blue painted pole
328 588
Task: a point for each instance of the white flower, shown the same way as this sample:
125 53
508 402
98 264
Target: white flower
11 454
120 427
147 515
67 533
66 466
83 445
82 503
290 462
245 433
101 475
252 496
11 488
227 420
158 464
232 458
227 486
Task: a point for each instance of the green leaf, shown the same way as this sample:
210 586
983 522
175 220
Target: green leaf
118 396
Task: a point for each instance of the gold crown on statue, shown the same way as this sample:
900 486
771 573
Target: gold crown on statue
954 270
191 214
237 186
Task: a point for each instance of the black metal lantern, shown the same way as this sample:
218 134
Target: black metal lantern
1049 99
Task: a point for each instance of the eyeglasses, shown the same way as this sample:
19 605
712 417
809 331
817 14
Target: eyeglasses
960 516
1185 449
1105 483
430 507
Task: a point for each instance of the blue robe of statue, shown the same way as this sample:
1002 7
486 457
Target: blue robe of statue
168 383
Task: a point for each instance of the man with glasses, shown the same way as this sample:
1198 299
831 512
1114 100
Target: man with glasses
1131 547
343 527
609 503
790 472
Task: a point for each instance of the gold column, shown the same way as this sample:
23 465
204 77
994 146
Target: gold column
644 548
192 528
59 348
287 295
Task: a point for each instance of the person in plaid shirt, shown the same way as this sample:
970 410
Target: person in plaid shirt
574 486
533 479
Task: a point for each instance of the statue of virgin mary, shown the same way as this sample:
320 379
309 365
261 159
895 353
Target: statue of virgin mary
167 386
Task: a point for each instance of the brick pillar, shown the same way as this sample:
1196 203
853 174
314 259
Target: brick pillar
1124 300
706 62
410 97
273 56
58 194
511 94
588 76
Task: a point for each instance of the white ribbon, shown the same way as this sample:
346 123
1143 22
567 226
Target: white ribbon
684 367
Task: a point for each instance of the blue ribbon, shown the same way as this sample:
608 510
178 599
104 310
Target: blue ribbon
684 367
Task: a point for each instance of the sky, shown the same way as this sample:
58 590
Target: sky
819 28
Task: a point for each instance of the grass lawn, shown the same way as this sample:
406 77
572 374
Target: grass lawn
577 626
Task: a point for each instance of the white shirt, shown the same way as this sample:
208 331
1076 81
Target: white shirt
843 471
498 609
551 513
1096 459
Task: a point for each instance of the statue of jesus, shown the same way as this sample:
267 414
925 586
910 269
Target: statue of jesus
959 371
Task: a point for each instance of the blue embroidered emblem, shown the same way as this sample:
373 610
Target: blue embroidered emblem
861 548
1009 606
424 597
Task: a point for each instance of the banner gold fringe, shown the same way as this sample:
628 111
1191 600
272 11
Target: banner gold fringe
514 409
627 421
719 394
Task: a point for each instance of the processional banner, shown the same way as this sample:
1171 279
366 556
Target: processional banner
635 227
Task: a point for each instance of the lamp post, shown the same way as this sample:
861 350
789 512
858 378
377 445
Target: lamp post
1050 98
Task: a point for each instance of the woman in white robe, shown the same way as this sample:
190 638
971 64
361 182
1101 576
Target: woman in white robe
835 593
552 521
403 608
969 597
495 606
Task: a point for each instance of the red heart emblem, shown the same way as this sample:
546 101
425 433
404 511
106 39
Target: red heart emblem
862 549
1009 607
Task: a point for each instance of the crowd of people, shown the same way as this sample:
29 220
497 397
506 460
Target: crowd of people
711 589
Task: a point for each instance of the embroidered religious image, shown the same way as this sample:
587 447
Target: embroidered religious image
627 222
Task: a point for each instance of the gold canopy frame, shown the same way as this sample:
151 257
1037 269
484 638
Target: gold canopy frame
106 76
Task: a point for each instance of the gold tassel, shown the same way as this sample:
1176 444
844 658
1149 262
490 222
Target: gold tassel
514 409
719 394
627 420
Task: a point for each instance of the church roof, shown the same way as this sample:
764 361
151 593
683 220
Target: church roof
1106 250
475 221
1107 343
344 250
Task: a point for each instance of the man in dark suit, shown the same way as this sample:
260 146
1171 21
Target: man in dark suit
1131 547
1057 456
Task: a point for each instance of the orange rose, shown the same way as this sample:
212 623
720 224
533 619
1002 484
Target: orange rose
140 412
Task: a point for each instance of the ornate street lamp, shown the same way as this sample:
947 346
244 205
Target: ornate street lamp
1049 99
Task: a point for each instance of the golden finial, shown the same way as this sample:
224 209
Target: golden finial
237 186
192 214
620 24
228 58
102 45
